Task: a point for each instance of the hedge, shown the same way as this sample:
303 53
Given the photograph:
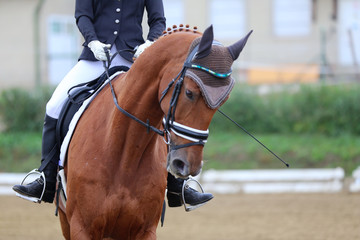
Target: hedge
315 109
23 110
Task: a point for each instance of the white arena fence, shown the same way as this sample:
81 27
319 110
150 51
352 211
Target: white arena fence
251 181
274 181
355 186
7 180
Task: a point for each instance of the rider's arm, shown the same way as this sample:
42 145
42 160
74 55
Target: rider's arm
156 18
84 15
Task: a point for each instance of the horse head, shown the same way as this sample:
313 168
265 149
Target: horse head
199 89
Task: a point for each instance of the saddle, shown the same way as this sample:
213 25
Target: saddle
76 96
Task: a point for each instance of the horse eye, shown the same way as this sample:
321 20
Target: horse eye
189 94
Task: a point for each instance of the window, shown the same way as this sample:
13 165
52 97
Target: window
63 46
349 32
228 18
292 18
174 12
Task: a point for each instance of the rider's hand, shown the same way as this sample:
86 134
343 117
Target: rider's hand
97 48
142 48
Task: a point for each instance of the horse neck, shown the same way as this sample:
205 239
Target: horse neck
153 70
138 92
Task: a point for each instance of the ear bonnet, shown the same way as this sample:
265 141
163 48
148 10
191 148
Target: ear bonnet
210 67
213 75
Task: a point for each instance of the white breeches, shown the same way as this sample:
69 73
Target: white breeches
83 71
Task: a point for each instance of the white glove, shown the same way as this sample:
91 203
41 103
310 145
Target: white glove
142 48
97 48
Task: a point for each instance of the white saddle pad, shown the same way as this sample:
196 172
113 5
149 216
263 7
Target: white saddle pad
75 119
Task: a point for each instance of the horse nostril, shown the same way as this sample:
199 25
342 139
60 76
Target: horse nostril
178 164
180 167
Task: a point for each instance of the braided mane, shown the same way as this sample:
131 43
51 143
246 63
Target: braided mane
181 28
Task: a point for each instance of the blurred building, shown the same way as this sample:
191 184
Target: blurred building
293 41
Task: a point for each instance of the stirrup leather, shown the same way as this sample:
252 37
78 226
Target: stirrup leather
33 199
189 207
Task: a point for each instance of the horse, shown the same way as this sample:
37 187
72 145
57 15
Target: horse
127 140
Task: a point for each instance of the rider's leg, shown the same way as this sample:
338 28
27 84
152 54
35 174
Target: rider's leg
83 71
192 197
49 163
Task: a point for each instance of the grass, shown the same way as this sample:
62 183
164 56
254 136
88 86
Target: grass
21 152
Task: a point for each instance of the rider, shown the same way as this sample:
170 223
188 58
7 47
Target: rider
113 24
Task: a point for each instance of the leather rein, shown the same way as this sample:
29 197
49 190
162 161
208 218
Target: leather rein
195 136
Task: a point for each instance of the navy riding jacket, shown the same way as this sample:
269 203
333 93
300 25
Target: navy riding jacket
117 22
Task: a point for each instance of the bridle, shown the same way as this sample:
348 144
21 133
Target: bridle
195 136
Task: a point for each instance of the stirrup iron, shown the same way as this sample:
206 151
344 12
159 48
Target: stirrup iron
189 207
33 199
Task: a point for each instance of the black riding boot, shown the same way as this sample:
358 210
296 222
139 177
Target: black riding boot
49 164
192 197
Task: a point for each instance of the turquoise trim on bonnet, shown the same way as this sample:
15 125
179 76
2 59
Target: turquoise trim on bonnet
219 75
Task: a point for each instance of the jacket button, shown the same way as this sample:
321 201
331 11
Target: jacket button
118 10
116 32
117 21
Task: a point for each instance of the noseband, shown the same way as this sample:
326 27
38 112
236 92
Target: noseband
196 136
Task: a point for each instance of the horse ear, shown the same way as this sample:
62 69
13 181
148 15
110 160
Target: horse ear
237 47
205 43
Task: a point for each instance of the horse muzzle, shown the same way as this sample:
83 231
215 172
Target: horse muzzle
179 166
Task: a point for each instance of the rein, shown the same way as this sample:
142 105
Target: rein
147 124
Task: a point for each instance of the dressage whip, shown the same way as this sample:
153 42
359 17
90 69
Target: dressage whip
242 128
173 105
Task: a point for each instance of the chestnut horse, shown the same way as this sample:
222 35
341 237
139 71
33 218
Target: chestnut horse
117 168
